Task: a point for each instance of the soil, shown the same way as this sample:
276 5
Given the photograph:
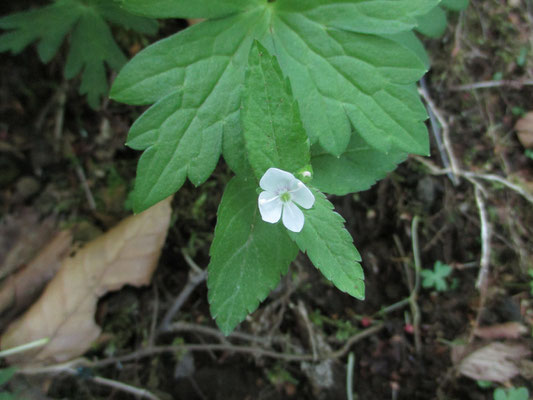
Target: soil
305 314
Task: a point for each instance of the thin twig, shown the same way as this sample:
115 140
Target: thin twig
81 362
443 143
446 142
414 293
481 282
473 175
85 186
123 387
514 84
196 276
349 376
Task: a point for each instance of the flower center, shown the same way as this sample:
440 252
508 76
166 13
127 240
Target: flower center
285 197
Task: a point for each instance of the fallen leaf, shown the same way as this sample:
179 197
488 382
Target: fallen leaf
126 255
20 289
524 130
507 330
21 237
495 362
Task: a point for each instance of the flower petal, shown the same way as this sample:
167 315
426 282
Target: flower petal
276 180
303 196
293 217
270 207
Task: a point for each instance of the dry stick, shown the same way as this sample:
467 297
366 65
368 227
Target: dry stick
516 84
434 111
414 293
473 175
196 276
60 116
81 362
445 149
142 393
481 282
85 186
414 288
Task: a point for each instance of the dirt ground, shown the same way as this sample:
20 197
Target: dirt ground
466 206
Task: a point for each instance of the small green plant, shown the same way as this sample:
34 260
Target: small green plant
520 393
436 278
529 153
91 41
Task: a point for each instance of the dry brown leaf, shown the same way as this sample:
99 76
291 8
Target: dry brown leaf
21 288
524 129
495 362
507 330
64 313
21 237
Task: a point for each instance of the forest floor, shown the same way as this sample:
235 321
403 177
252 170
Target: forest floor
465 212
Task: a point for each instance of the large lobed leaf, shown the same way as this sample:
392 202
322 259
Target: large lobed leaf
348 75
248 256
270 117
330 247
91 46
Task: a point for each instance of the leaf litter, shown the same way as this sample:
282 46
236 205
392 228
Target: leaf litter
126 255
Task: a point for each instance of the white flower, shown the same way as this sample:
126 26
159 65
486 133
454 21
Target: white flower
281 191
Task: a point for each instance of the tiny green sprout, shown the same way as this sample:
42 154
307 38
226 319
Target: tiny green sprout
484 384
520 393
436 278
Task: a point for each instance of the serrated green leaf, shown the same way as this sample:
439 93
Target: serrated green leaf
330 247
413 43
47 25
358 168
197 95
248 256
362 16
187 9
270 117
433 24
342 79
111 11
455 5
92 46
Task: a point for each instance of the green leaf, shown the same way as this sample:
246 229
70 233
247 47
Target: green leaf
248 256
270 117
47 25
198 95
436 278
500 394
343 81
112 12
433 24
454 5
413 43
6 374
363 16
187 9
330 247
356 80
91 46
358 168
